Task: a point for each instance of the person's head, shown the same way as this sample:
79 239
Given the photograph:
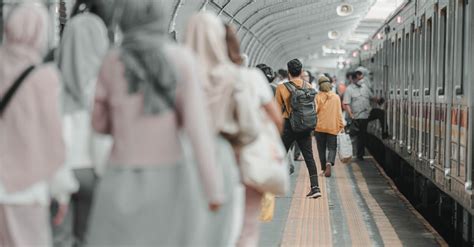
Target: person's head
327 75
359 76
148 69
295 69
27 26
360 73
267 71
80 55
325 84
206 36
283 74
233 45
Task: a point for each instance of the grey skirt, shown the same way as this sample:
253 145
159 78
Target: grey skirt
142 206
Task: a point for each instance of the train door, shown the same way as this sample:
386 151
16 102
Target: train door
405 84
398 82
441 79
460 109
427 103
411 95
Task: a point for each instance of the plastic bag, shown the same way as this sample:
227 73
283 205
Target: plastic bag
268 207
344 147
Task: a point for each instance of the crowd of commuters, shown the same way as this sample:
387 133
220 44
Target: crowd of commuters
133 142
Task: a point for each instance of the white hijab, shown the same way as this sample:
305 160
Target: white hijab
206 36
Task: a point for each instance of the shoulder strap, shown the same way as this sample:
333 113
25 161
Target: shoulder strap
12 90
289 85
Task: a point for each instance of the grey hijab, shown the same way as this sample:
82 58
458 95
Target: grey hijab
80 56
147 69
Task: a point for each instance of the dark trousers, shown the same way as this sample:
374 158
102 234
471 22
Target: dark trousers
378 114
297 151
305 144
72 231
327 143
359 132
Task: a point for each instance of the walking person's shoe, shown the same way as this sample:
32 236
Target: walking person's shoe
327 171
314 193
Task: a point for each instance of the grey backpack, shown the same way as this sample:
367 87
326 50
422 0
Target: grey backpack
303 115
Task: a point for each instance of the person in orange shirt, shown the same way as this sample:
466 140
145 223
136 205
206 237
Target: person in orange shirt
329 124
289 137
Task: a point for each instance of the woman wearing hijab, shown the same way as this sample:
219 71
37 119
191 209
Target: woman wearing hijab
31 141
330 124
249 235
144 197
84 44
206 36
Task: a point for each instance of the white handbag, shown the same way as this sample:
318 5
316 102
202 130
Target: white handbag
263 162
344 147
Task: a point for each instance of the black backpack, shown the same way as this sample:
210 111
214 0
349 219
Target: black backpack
303 115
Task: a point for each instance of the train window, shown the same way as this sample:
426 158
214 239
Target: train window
429 30
459 47
442 52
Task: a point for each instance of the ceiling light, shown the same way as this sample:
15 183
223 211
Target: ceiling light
333 34
344 9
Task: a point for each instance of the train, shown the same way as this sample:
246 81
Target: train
420 62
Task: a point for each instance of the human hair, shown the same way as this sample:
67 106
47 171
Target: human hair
283 73
311 78
267 71
295 67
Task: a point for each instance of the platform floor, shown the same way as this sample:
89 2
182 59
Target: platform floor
359 207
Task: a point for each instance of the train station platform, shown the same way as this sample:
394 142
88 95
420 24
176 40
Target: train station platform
360 206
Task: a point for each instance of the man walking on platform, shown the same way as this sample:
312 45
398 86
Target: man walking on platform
297 99
357 99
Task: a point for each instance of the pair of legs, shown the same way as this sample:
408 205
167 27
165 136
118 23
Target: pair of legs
305 144
251 226
360 136
72 231
327 145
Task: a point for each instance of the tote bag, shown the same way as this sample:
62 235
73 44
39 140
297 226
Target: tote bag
344 147
263 162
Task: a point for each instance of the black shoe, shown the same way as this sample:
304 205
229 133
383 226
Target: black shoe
292 169
314 193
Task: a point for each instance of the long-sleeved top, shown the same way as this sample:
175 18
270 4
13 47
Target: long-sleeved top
283 97
153 140
329 113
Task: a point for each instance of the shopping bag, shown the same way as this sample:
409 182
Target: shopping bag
268 207
263 163
344 147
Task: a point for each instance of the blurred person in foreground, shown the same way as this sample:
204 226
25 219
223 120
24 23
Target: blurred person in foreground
206 37
249 235
30 129
151 103
82 48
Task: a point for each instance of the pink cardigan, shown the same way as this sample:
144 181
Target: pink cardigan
147 140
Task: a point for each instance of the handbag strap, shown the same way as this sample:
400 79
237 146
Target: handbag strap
12 90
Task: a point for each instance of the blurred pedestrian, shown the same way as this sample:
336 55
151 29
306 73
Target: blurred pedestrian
249 235
146 196
83 46
30 127
330 124
206 36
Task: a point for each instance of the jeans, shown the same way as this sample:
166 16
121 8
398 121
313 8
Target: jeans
297 151
305 144
327 142
359 133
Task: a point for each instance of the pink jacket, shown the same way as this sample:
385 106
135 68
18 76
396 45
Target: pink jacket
147 140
